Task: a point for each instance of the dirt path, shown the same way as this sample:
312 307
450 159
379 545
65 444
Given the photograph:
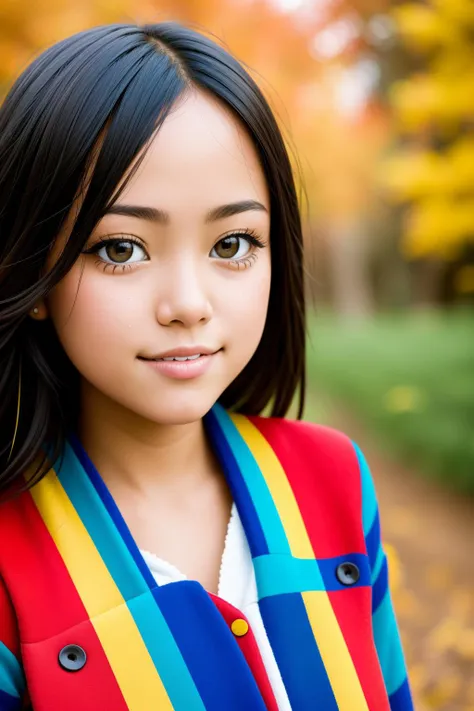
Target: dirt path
429 535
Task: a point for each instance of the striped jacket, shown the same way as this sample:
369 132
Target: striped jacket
84 625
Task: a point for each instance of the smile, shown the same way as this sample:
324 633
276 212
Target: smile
182 367
182 358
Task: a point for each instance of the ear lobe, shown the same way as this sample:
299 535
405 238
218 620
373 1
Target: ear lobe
39 312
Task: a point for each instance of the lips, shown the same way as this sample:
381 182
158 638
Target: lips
182 366
184 353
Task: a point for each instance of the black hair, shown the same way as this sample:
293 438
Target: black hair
102 93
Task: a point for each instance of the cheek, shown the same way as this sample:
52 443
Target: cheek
247 310
87 320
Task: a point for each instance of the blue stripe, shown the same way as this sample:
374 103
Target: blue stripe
102 529
281 574
401 699
214 659
12 681
388 644
121 565
369 500
113 510
328 568
380 586
296 652
245 505
163 649
9 703
257 486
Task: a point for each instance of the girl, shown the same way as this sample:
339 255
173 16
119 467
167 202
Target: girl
163 546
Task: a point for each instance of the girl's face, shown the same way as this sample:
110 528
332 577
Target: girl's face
185 272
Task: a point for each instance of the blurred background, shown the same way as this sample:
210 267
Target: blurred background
376 102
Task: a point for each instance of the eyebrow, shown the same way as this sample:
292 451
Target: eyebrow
153 214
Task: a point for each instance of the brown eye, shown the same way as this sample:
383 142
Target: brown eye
119 251
227 247
232 247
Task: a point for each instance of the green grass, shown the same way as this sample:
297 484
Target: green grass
411 378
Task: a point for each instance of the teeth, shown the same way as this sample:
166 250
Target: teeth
193 357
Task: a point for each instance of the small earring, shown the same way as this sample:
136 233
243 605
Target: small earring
36 310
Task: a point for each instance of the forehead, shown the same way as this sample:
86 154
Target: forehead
201 154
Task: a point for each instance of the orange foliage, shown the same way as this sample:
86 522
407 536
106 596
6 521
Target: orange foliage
336 152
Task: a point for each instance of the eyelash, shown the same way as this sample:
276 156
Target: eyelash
109 266
247 261
242 263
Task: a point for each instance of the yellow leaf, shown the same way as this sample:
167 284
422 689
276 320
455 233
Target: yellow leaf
404 398
420 25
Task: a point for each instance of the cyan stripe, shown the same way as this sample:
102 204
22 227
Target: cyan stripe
378 565
245 505
372 539
369 501
254 479
167 657
388 644
12 681
281 574
99 525
123 570
109 503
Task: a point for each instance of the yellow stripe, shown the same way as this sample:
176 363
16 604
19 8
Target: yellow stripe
325 627
336 657
139 681
279 487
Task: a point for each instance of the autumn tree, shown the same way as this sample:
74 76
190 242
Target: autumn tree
432 172
305 57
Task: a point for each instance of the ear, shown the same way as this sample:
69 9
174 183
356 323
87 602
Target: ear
40 311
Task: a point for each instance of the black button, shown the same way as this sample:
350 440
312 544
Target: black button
72 657
348 573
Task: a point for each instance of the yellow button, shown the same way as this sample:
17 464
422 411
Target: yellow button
239 627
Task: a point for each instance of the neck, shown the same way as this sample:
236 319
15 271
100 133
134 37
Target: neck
132 453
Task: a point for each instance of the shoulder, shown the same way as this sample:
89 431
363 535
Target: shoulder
321 446
327 462
322 465
326 472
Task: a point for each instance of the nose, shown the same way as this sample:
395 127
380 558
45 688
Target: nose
183 295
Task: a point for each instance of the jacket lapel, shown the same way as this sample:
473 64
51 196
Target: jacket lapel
168 647
293 586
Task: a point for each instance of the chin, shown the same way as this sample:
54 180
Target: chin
182 410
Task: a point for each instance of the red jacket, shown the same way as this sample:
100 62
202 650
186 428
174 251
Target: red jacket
84 625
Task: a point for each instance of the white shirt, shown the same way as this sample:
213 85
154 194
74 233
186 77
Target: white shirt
237 585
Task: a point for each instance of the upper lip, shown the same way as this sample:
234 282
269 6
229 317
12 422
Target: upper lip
182 352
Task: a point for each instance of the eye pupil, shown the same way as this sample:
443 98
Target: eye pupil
227 247
120 251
